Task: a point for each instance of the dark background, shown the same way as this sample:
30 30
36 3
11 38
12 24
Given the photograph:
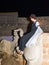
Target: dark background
25 7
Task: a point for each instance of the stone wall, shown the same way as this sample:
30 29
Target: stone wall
44 23
10 21
23 23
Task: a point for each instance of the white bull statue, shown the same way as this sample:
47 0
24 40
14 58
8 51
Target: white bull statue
38 54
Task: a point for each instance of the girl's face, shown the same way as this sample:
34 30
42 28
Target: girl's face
33 20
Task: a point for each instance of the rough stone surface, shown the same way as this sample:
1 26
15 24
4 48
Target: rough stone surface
10 61
10 21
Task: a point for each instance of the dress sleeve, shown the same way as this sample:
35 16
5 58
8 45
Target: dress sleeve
37 24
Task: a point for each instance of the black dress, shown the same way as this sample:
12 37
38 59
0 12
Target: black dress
26 37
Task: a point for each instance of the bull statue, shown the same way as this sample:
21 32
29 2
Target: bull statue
8 46
38 54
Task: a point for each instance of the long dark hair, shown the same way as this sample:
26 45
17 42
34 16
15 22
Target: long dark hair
32 16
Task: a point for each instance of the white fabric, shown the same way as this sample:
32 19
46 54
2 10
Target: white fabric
33 39
37 24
